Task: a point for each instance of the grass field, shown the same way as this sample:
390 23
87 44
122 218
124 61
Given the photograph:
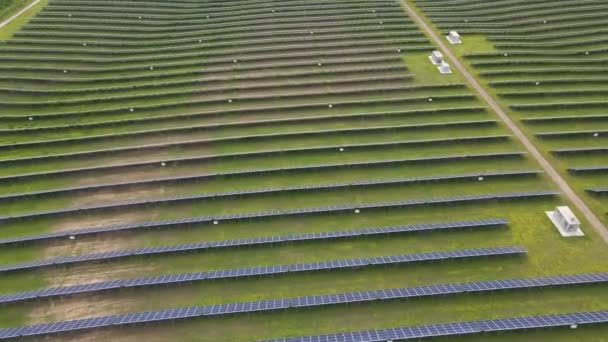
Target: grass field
105 102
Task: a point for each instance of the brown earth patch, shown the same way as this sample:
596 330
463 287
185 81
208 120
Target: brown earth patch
96 272
78 308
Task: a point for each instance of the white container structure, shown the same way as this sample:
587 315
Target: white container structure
454 38
565 221
436 57
444 68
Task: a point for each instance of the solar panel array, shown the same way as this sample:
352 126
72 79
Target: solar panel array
572 134
189 277
260 171
598 191
247 138
266 191
52 52
279 213
249 98
202 176
67 260
97 124
218 89
588 169
311 106
457 328
564 118
236 138
580 150
333 299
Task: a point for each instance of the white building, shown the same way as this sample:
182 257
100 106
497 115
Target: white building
444 68
565 221
436 57
454 38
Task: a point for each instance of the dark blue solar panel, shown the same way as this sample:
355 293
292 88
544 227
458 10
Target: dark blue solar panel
353 297
458 328
385 294
167 223
262 191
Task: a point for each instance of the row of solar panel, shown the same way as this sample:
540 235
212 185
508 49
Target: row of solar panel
193 21
58 9
257 271
316 118
323 35
572 134
598 191
179 11
279 213
317 13
68 260
221 126
272 61
192 17
220 6
224 98
458 328
233 139
193 42
268 191
234 34
210 42
588 169
210 80
204 78
565 118
580 150
282 169
299 302
246 37
161 60
310 105
256 20
373 82
253 242
149 25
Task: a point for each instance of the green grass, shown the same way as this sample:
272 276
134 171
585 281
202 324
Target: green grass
549 254
7 31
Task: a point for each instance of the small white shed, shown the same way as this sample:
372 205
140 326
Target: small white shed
565 221
444 68
436 57
454 38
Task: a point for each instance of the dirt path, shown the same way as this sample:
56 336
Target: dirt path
16 15
549 169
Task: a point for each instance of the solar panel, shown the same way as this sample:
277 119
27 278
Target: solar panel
256 271
261 191
352 297
588 169
580 150
458 328
317 210
598 191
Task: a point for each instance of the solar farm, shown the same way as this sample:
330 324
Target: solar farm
288 170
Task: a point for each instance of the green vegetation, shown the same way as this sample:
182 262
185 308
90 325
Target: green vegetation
88 84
